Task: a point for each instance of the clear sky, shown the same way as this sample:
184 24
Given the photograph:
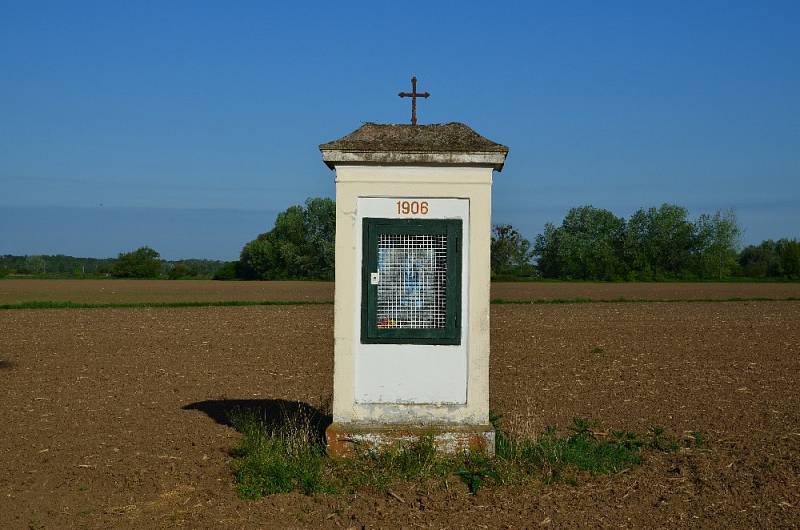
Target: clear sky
188 125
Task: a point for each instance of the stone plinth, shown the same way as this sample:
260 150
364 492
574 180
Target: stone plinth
346 440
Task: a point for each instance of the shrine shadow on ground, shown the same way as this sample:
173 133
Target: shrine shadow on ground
274 413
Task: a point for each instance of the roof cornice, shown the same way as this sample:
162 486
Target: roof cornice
493 159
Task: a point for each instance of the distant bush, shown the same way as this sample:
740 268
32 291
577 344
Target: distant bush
229 271
771 259
5 272
143 262
180 270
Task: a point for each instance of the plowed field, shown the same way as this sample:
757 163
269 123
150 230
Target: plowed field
114 418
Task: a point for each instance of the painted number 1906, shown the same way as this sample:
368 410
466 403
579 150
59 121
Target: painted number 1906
412 207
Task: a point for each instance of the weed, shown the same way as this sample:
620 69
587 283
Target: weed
476 469
628 440
597 349
660 441
582 427
699 440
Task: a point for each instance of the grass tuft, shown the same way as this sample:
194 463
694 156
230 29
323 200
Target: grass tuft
555 458
699 440
281 459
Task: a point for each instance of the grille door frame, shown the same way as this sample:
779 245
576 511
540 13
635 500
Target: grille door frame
370 332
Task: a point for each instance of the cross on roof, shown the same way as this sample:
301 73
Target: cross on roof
414 95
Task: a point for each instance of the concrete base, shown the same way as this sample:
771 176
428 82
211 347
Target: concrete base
345 440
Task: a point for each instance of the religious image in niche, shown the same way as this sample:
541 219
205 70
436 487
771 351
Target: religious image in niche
413 278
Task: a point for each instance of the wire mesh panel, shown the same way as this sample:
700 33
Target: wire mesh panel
412 281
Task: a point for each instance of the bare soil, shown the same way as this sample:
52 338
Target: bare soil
132 291
114 418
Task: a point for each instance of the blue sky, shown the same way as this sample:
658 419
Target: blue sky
188 125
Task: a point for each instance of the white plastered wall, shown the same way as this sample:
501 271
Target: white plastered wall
412 373
354 399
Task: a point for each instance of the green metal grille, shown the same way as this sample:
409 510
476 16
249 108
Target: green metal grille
411 281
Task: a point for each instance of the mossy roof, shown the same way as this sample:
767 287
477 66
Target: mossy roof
441 137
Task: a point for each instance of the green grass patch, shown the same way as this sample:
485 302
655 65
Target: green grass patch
50 304
281 459
732 279
622 300
290 456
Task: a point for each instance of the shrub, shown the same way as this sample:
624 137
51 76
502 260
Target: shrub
143 262
179 270
229 271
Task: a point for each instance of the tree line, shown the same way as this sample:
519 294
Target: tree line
657 244
654 244
140 263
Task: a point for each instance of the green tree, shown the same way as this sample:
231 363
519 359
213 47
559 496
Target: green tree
588 245
36 264
259 259
301 244
789 253
143 262
511 253
320 223
659 243
717 242
760 261
180 270
229 271
547 250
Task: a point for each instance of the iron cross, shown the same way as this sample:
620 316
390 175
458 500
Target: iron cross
414 95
